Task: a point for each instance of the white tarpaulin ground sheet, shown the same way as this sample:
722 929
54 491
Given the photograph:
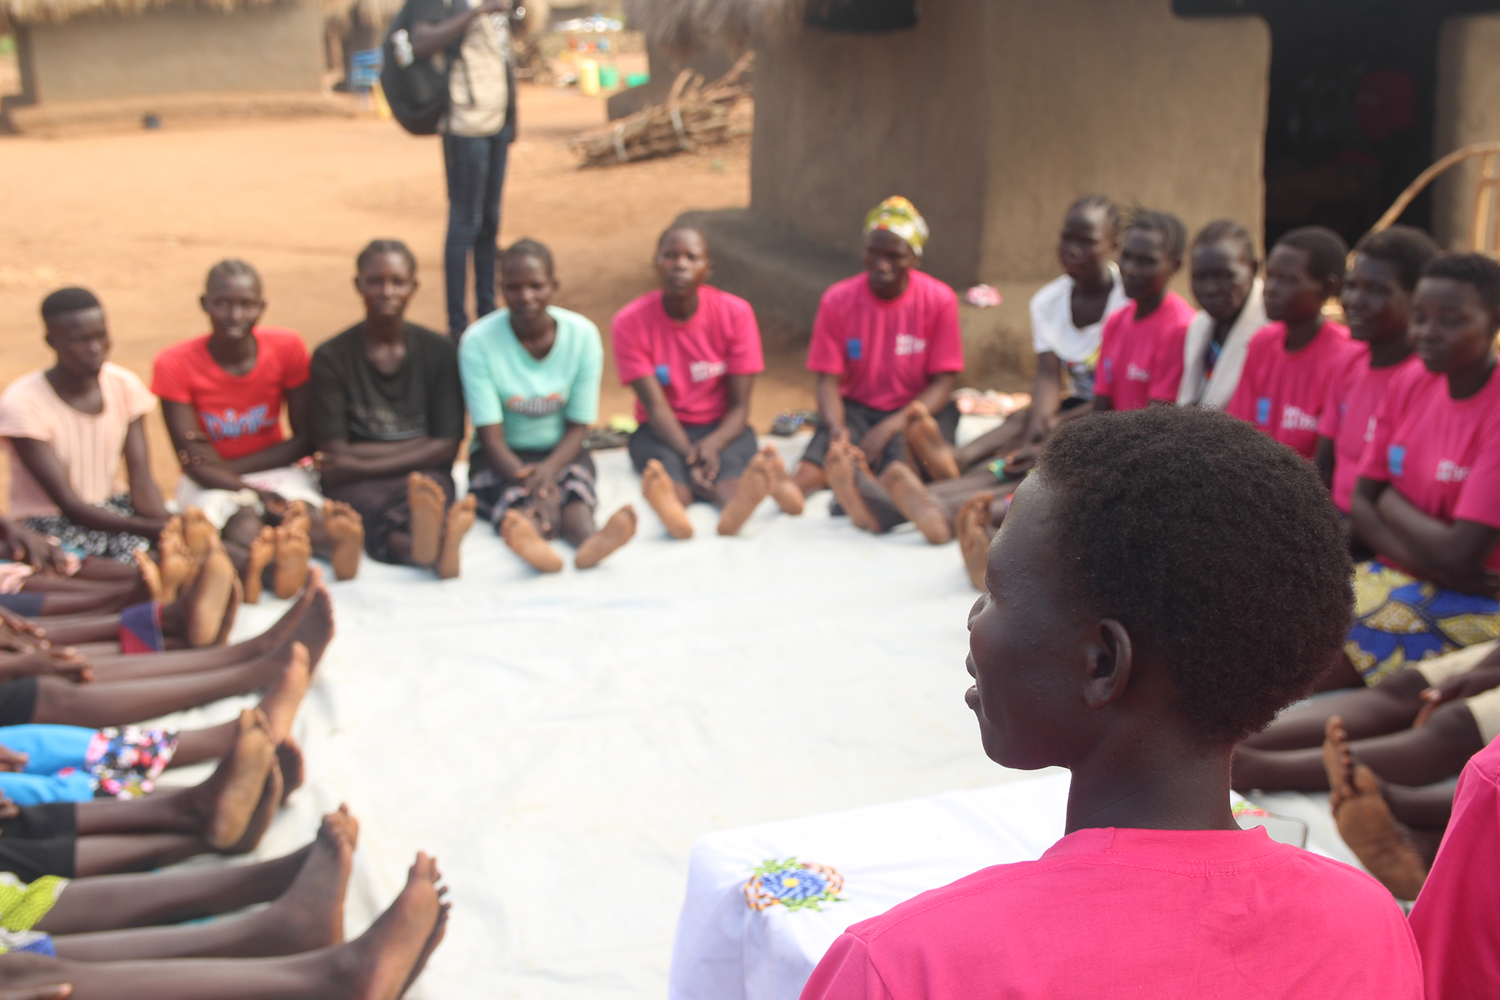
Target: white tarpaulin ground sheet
560 742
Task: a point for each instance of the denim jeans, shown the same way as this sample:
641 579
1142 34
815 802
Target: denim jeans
476 172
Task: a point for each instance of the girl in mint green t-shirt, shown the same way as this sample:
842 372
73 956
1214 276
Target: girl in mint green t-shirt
531 379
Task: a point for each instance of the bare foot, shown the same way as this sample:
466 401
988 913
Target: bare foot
314 629
207 600
284 696
970 524
784 490
293 551
925 440
656 487
262 551
1338 761
382 962
176 563
913 500
272 794
754 486
150 573
297 516
427 509
1382 844
455 526
838 466
198 533
310 914
292 765
347 530
521 535
228 799
619 529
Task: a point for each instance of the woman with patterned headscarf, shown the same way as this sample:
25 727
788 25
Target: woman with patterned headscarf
887 350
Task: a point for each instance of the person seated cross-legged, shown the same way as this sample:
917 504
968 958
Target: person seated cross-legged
1232 310
222 395
1132 631
691 353
531 378
73 429
388 416
887 349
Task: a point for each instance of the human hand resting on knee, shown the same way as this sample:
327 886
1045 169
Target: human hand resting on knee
1466 685
703 464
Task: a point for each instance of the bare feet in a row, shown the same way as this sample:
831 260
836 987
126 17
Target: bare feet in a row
310 914
925 440
293 551
383 962
754 486
437 530
521 534
1383 844
619 529
972 524
227 801
784 490
657 488
262 554
203 613
841 465
347 532
176 562
913 500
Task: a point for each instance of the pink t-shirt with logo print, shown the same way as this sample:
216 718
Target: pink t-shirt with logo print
1441 454
1284 393
1348 418
1142 360
691 360
886 350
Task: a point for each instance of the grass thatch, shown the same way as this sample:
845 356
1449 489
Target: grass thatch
55 11
684 25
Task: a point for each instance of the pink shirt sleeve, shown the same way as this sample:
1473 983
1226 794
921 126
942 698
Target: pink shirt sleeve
631 359
1167 365
168 380
744 356
945 339
845 973
1242 403
1104 383
23 414
825 353
137 398
1479 500
296 363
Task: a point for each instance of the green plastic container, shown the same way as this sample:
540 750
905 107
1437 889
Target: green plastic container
609 77
637 79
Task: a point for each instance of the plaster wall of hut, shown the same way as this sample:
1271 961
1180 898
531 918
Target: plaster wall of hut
172 50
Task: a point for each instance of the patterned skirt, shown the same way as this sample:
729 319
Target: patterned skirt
84 542
1399 620
22 907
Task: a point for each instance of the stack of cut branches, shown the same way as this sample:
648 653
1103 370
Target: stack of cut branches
693 116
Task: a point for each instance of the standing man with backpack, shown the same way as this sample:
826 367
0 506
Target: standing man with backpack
472 39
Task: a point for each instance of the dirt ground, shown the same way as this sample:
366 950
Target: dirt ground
139 217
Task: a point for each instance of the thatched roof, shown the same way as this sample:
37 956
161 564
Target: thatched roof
55 11
684 25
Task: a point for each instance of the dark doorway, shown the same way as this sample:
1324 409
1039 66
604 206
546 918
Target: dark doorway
1351 106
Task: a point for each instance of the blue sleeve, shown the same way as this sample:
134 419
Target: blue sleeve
481 391
583 397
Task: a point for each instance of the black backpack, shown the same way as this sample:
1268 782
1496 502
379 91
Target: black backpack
415 89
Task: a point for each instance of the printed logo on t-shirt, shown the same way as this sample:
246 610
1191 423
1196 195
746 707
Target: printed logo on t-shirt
702 371
1395 458
907 344
1451 472
1370 430
855 348
1263 410
536 406
1135 373
230 424
663 374
1294 418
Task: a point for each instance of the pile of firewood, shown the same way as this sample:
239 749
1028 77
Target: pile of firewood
693 116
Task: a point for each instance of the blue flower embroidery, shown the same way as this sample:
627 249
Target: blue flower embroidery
793 884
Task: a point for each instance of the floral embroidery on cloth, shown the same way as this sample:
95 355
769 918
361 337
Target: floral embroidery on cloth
796 885
124 763
22 906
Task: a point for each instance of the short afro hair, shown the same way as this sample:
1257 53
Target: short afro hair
1327 253
1164 224
1471 268
528 248
1098 203
68 300
1226 231
376 248
227 269
1406 248
678 227
1215 546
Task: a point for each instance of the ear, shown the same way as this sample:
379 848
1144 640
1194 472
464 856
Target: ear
203 302
1332 285
1110 664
